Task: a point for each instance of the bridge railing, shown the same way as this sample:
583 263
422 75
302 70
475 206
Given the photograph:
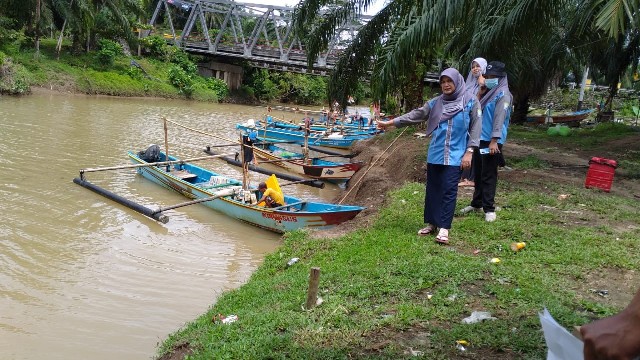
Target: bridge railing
270 24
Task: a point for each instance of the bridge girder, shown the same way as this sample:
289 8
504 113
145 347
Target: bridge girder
226 18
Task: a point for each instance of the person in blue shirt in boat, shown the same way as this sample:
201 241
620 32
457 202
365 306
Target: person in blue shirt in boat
270 196
453 121
495 101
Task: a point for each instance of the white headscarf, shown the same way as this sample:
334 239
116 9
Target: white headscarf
472 81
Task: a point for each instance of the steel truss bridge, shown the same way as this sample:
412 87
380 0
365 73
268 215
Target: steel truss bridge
258 33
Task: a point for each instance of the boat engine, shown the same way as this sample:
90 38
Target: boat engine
152 154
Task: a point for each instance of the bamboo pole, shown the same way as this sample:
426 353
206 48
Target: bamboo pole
370 166
152 164
201 132
166 141
244 165
312 292
220 194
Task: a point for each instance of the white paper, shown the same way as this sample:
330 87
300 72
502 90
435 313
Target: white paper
562 345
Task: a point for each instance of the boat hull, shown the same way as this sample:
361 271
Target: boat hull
568 119
298 136
317 169
297 215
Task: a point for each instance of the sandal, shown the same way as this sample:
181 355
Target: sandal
443 237
428 230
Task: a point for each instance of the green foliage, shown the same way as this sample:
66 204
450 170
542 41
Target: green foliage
7 33
182 59
135 73
14 78
155 44
286 87
181 80
219 87
108 50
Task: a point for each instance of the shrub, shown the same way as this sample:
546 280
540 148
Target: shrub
219 87
181 79
14 78
134 73
156 45
108 52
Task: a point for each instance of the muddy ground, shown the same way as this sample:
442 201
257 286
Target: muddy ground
389 166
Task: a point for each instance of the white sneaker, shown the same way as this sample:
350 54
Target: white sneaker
490 217
468 209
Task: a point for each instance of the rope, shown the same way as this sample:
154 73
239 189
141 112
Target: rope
202 132
371 166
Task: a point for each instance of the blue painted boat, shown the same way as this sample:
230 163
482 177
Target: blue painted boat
339 128
314 168
195 182
332 140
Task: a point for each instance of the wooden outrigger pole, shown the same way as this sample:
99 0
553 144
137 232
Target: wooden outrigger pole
154 214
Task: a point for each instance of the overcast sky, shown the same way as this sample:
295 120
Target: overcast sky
376 6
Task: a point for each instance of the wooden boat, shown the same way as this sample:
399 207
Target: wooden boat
228 197
314 167
570 119
333 140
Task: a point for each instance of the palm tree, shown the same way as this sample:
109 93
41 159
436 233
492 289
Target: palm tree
498 30
610 27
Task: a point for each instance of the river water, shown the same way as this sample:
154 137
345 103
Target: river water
82 277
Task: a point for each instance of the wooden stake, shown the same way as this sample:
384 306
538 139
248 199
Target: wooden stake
166 141
312 292
244 165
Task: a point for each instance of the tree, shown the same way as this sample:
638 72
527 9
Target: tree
499 30
611 28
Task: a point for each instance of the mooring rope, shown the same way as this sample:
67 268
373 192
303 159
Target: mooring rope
202 132
371 166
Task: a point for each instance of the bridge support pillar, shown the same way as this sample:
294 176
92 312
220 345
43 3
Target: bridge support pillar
231 74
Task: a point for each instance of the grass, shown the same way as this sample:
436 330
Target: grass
597 138
376 283
82 73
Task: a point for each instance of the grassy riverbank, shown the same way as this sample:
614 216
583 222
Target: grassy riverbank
389 293
85 73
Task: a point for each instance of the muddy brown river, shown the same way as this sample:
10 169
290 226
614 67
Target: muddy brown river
82 277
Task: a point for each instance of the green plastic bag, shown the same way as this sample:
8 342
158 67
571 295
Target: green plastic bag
553 130
564 130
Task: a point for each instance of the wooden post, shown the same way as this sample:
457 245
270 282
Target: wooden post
312 292
166 142
244 164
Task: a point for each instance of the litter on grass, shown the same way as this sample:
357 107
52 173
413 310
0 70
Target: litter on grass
478 316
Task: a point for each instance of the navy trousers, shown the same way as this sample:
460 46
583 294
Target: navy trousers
441 194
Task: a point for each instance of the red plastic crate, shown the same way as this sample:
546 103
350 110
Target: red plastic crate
600 174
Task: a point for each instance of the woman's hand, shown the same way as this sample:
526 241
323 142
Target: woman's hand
493 147
481 80
382 125
466 160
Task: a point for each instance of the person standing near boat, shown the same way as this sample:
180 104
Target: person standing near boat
247 155
473 83
495 101
453 121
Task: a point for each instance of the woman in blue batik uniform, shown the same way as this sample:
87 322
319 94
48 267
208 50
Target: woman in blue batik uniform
495 101
453 121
